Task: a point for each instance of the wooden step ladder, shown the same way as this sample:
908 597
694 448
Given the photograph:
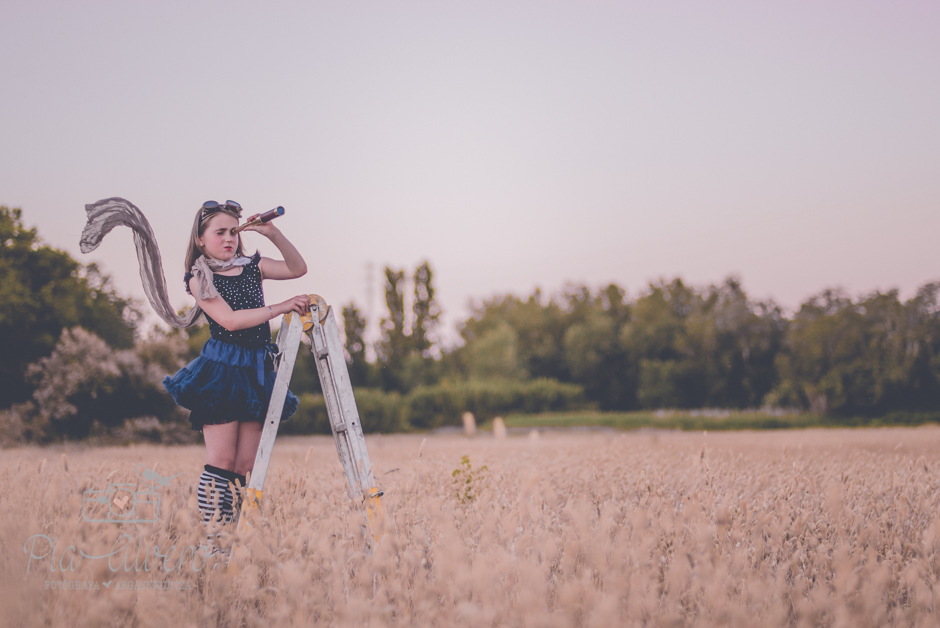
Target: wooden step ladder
327 348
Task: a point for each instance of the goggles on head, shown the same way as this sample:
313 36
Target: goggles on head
211 207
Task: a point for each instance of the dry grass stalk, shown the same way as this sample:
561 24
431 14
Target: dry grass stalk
822 527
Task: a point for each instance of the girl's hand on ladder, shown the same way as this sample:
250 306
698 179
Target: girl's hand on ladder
299 304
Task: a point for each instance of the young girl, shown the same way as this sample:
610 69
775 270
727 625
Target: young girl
228 386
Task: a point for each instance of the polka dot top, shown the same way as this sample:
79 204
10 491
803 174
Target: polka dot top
241 292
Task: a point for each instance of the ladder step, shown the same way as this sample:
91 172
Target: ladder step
320 348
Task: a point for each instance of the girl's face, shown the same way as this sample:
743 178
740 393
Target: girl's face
217 240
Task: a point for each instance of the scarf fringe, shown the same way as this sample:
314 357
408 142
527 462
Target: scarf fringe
109 213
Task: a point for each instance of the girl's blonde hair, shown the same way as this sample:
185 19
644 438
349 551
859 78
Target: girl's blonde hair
193 251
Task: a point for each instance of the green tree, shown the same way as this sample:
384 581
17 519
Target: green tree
593 352
599 363
354 326
539 325
495 355
43 291
405 356
867 357
735 342
826 337
657 338
425 310
922 350
393 346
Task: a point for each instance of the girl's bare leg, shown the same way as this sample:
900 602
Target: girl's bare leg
249 435
221 445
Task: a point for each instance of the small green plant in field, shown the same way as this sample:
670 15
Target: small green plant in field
468 480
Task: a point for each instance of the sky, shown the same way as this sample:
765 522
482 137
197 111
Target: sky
512 144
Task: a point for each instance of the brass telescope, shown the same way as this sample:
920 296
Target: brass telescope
265 217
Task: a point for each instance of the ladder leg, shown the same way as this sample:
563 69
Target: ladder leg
343 413
288 342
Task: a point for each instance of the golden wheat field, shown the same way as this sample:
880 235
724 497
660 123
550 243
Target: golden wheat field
590 528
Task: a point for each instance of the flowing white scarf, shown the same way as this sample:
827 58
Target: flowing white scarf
109 213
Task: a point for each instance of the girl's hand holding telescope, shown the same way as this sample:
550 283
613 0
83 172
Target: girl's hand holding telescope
267 229
258 220
293 264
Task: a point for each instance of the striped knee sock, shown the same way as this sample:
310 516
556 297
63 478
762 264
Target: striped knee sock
215 495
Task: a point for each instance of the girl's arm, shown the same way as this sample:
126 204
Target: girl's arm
293 264
222 313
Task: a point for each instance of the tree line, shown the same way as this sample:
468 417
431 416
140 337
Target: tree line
681 346
76 361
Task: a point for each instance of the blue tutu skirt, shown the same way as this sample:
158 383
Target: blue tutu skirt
226 383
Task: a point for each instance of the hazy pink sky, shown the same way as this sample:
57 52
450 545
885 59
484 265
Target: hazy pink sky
513 144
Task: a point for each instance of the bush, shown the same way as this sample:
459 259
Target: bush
84 383
381 411
310 418
427 407
378 412
434 406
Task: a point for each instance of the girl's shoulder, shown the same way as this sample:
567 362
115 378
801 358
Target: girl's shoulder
253 268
